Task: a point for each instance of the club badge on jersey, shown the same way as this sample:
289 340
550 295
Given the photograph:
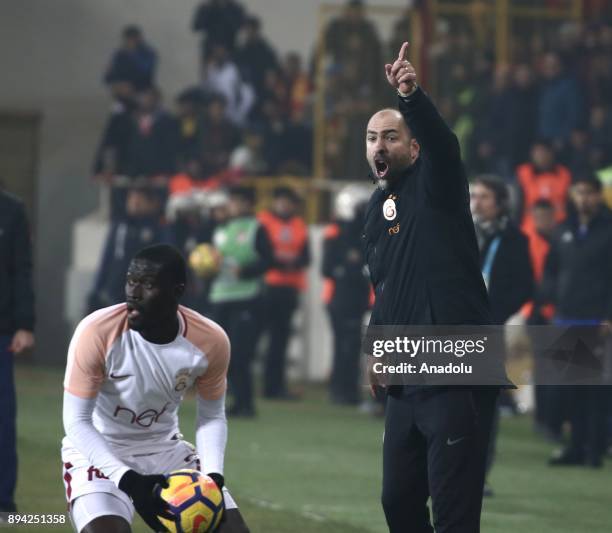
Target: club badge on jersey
389 208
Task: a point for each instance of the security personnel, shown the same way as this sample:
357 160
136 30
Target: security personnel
424 263
236 291
288 235
346 290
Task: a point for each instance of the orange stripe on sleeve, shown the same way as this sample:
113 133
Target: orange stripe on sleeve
212 340
89 347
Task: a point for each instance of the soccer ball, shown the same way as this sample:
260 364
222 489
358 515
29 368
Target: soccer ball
205 260
194 500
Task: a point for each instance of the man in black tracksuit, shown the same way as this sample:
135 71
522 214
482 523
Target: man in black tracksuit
424 263
578 281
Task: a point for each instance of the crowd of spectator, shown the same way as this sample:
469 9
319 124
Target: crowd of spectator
247 115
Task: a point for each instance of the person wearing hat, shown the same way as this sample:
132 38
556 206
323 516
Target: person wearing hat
284 281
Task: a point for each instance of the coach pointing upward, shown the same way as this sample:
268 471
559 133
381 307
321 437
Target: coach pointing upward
423 258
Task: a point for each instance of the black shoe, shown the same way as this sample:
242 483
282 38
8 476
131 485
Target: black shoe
595 462
283 397
5 511
240 412
567 458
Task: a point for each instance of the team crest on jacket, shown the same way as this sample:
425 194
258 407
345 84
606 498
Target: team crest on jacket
181 380
389 209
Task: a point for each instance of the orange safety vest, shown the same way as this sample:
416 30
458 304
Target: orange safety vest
538 251
552 186
288 238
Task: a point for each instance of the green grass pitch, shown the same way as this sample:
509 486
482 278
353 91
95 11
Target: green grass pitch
309 467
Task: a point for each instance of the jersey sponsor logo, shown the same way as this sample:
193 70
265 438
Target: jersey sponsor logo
123 376
389 209
144 419
92 472
394 230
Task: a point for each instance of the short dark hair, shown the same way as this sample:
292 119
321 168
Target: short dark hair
253 22
132 31
283 191
589 179
497 186
168 258
244 193
544 142
543 203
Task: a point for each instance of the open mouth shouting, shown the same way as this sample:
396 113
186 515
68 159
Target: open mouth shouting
382 167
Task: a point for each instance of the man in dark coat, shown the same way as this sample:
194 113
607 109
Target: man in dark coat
16 331
424 263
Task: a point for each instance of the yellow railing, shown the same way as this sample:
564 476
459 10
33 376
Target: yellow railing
316 193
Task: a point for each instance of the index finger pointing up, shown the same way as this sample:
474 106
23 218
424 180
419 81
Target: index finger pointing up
403 51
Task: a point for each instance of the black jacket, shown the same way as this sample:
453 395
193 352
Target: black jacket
424 263
511 277
578 271
16 292
344 264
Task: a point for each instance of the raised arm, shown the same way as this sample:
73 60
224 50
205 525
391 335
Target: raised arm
437 141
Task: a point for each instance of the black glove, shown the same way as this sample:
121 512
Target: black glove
141 489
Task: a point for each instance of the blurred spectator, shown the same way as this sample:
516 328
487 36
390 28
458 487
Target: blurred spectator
218 139
219 21
248 159
524 115
346 290
560 102
189 111
16 331
505 265
600 131
221 76
352 41
112 156
577 281
288 235
274 126
236 291
141 227
298 84
152 147
542 178
578 156
504 251
296 153
505 136
134 62
352 100
187 226
548 411
255 57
